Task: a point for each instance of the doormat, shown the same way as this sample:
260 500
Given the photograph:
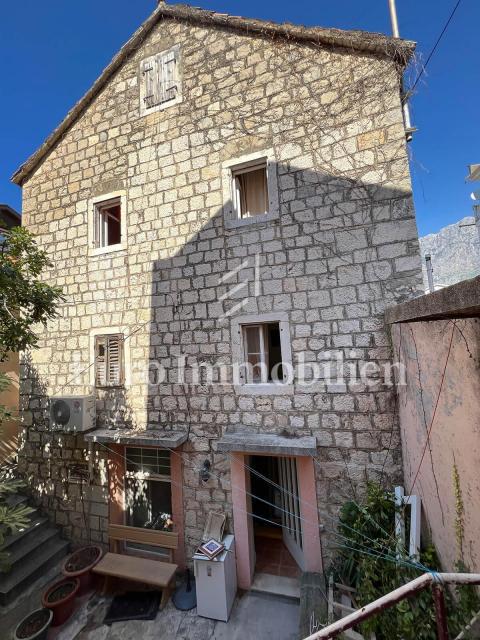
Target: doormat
133 605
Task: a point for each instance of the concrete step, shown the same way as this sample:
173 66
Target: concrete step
24 573
276 585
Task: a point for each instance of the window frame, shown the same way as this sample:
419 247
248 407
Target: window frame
97 203
244 164
239 354
121 357
110 331
153 60
130 475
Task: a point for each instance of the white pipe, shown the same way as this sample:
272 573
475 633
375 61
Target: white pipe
405 108
428 264
394 19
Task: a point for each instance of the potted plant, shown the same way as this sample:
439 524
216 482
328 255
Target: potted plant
60 598
34 626
80 564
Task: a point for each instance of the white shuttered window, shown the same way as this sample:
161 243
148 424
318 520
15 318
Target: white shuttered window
109 360
160 80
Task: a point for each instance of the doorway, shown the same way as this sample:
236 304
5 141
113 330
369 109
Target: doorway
277 525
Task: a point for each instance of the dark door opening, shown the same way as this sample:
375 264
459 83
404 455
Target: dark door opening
271 554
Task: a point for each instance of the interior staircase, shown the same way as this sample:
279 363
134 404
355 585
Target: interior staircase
33 551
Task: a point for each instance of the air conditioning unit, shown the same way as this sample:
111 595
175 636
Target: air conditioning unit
72 413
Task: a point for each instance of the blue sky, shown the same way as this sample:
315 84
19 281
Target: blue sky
52 51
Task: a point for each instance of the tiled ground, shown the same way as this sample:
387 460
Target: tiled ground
274 558
255 616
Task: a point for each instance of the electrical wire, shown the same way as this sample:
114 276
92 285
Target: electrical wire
434 48
365 549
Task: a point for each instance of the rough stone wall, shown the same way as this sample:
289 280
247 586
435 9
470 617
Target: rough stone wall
344 246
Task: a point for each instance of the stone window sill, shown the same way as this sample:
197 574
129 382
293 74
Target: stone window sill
266 389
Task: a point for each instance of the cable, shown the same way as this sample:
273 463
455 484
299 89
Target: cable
365 549
427 440
430 55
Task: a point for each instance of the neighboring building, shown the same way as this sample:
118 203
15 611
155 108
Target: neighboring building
437 340
454 251
228 190
9 432
9 218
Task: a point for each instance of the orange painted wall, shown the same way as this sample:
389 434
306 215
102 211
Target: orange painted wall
455 436
9 398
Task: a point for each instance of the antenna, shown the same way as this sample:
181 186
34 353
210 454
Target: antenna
409 130
428 264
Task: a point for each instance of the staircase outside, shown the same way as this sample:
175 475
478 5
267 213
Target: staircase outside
33 551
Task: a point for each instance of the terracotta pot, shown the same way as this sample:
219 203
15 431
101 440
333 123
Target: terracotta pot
28 629
80 564
62 608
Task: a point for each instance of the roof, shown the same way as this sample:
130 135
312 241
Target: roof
9 217
362 41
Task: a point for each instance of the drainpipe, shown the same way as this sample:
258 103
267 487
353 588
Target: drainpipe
428 264
409 130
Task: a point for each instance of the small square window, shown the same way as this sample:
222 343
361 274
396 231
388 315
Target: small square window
250 190
263 353
109 369
108 223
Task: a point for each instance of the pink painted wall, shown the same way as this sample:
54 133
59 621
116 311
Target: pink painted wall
309 513
242 523
455 436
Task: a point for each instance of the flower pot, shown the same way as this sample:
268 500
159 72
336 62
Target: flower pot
60 598
34 626
80 564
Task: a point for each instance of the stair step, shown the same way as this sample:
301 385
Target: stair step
13 583
16 499
33 541
37 523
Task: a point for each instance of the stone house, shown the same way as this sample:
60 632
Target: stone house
228 191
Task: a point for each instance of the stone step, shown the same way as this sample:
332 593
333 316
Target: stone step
15 499
24 573
35 539
37 523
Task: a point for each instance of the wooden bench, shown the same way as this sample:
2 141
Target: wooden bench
127 567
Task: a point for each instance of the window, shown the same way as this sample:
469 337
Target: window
263 353
160 80
108 223
109 365
148 492
250 190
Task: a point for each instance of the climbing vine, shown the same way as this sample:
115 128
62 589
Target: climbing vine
459 511
367 561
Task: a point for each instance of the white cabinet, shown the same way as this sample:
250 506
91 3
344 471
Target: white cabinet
216 582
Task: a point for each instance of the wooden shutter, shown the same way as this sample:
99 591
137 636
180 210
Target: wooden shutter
148 70
170 75
115 361
109 361
100 361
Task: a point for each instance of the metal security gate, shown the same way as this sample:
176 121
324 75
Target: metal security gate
291 516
